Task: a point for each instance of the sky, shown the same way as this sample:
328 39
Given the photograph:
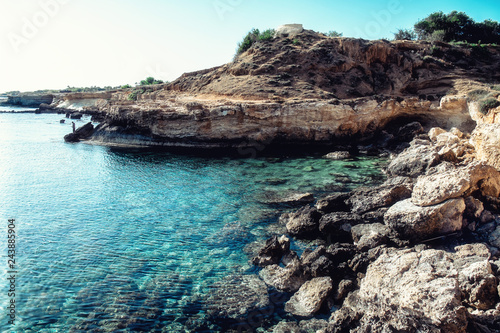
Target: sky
52 44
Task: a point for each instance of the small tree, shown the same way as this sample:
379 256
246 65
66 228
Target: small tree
149 81
405 34
334 33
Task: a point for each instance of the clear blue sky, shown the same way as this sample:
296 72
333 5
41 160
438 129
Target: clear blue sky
56 43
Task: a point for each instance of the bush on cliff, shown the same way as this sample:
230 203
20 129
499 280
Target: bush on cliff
150 80
135 94
334 33
487 104
253 36
405 34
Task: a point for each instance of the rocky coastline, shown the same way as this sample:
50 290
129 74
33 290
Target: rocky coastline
419 252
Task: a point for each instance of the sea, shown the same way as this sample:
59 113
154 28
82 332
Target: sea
113 239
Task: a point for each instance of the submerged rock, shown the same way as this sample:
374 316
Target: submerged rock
338 155
237 297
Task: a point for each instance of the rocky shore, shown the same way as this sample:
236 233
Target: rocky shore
419 252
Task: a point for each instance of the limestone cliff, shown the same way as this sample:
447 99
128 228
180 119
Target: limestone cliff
30 100
310 89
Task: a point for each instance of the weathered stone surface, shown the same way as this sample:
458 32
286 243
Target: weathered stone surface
345 287
339 223
307 301
418 223
440 185
288 199
235 297
476 279
369 236
473 208
413 162
486 140
407 291
333 203
366 199
289 30
304 222
287 327
338 155
288 278
407 132
272 251
494 237
434 132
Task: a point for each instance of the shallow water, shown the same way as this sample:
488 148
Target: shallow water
127 240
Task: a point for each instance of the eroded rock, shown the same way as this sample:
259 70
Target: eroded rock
418 223
235 297
308 300
406 290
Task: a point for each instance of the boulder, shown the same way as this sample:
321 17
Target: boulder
338 155
304 222
81 133
413 161
318 262
291 199
366 199
405 291
288 278
272 252
476 279
76 115
486 139
311 295
333 203
369 236
337 226
237 297
434 132
345 287
494 237
409 131
418 223
447 182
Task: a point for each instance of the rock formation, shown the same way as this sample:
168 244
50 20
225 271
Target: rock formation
317 90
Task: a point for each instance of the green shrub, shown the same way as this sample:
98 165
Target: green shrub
253 36
135 94
487 104
405 34
267 35
436 51
126 86
478 94
334 33
149 81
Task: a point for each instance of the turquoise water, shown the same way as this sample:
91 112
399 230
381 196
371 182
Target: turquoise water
128 240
